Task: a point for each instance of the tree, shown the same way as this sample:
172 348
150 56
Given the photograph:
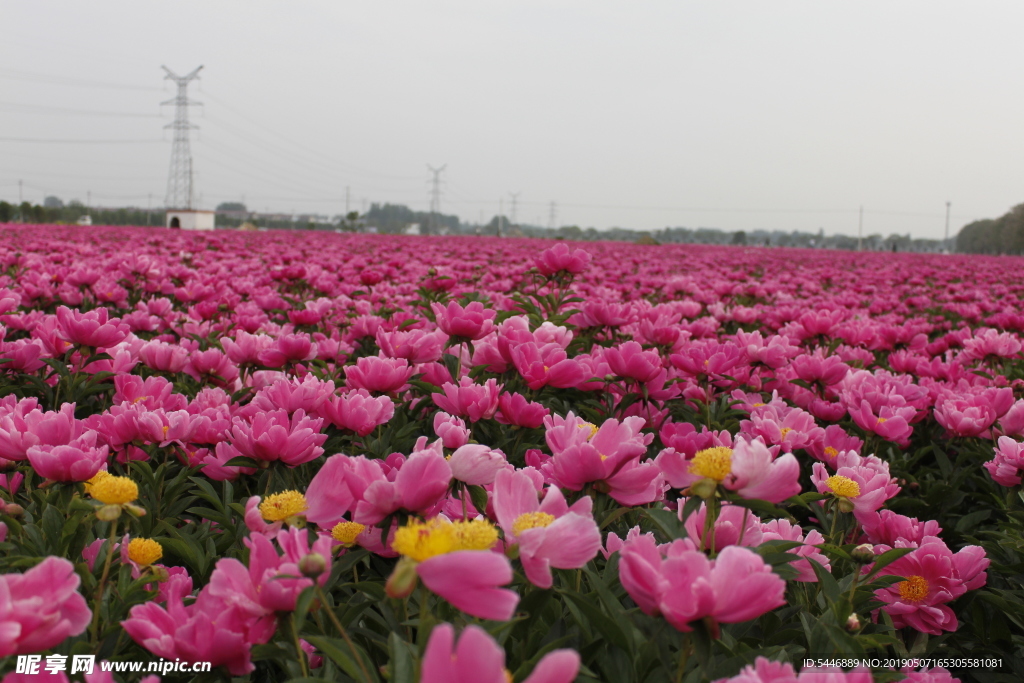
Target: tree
52 202
739 237
232 206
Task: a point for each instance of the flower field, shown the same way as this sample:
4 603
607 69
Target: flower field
301 456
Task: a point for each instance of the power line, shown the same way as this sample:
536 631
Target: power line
41 109
51 79
67 141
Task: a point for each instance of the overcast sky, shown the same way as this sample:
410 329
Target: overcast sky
736 115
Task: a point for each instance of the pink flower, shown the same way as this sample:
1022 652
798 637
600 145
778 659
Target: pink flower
834 441
892 529
749 469
783 530
476 464
764 671
163 357
274 436
559 258
246 348
288 348
547 365
416 346
965 416
933 576
863 481
94 328
475 401
1008 463
378 375
630 361
338 486
211 366
734 525
292 395
683 585
477 658
357 411
451 430
469 580
515 409
549 533
891 423
75 462
472 322
40 608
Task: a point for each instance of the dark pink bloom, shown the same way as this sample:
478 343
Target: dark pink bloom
475 401
630 361
451 430
874 485
560 258
416 346
274 435
515 409
78 461
289 348
94 328
357 411
547 365
378 375
1008 463
163 357
472 322
40 608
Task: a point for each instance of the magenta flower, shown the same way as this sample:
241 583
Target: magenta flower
547 365
734 525
515 409
451 430
549 533
292 395
94 328
630 361
783 530
560 259
864 482
40 608
289 348
164 357
357 411
77 461
416 346
890 423
467 399
378 375
472 322
683 585
1008 463
477 658
274 436
470 580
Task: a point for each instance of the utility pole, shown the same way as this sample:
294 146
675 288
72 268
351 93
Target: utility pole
860 230
435 198
21 199
179 178
501 213
512 211
88 200
347 194
149 209
552 215
946 244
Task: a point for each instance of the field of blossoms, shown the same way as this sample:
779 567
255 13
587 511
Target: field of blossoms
306 456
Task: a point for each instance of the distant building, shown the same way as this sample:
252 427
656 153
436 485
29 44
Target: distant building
190 219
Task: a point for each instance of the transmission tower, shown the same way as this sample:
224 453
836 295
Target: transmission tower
435 199
179 179
552 215
515 205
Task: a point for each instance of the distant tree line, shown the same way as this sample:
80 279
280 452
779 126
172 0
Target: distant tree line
1003 235
53 210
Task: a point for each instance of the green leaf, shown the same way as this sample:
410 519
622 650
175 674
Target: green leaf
402 667
478 494
607 627
887 558
667 522
339 652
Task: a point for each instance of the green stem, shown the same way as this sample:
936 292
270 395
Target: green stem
342 631
298 647
684 654
102 584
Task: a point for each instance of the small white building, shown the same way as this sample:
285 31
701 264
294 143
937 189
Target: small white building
189 219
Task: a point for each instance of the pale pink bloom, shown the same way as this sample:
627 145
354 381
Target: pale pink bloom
790 428
470 580
467 399
566 537
965 415
451 430
1008 463
378 375
891 423
472 322
783 530
834 441
153 393
477 658
870 474
476 464
1012 423
988 342
416 346
40 608
77 461
892 529
764 670
734 525
246 348
292 394
683 585
94 328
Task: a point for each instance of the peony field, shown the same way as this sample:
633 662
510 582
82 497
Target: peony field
297 456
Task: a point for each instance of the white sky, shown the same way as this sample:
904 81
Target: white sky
737 115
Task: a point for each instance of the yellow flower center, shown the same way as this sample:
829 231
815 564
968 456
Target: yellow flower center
508 676
757 405
423 540
881 420
914 589
346 532
144 551
102 474
476 534
166 428
283 505
585 425
843 486
785 430
712 463
531 520
114 490
831 452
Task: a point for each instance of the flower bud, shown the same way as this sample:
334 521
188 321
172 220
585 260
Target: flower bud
158 572
705 488
844 504
108 513
312 565
863 554
402 581
14 510
853 624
